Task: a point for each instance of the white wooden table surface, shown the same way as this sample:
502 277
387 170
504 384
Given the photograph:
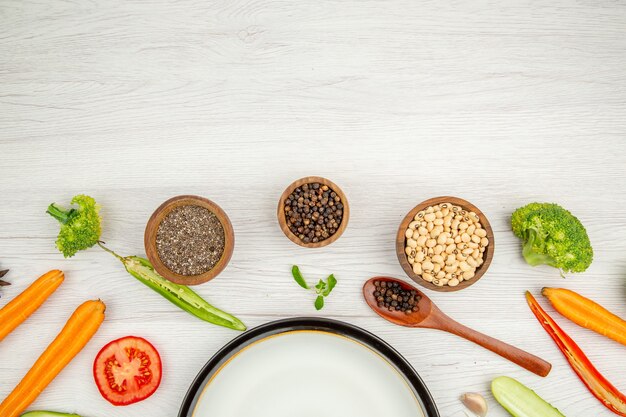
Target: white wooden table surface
501 103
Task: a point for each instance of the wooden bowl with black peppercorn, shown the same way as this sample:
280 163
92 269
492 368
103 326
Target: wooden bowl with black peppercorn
468 220
313 212
189 239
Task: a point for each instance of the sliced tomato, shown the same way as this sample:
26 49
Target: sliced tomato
127 370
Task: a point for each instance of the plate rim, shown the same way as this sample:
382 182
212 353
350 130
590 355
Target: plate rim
368 339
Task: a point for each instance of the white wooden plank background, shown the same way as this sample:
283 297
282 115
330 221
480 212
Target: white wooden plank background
397 101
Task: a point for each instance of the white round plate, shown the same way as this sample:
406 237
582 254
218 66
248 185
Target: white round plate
306 370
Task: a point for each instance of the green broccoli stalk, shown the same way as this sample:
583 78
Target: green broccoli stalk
80 227
552 236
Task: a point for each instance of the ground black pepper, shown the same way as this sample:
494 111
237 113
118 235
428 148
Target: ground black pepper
190 240
313 212
393 297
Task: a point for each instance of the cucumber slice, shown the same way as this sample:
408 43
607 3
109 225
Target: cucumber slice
519 400
47 414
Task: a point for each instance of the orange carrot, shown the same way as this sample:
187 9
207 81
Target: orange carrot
80 327
587 313
25 304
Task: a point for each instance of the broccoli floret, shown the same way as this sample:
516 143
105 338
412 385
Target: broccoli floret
80 227
552 236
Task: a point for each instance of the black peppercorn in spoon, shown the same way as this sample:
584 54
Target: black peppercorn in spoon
429 316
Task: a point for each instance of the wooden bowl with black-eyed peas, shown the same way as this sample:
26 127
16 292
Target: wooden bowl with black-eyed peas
445 244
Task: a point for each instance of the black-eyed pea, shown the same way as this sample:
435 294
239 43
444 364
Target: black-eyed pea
431 243
451 268
438 215
415 235
408 250
455 224
423 223
476 253
427 266
437 282
453 282
411 243
481 249
411 260
440 275
429 217
422 230
408 233
419 256
460 257
467 251
467 275
465 238
445 212
429 210
463 266
421 241
475 239
480 261
438 249
470 229
443 281
429 226
434 233
442 238
417 268
457 239
463 225
427 277
481 232
438 221
472 262
430 251
450 259
450 247
436 268
473 245
484 241
419 216
449 276
449 241
438 259
456 209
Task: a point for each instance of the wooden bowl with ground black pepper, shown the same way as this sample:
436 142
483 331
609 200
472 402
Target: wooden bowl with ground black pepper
445 244
313 212
189 239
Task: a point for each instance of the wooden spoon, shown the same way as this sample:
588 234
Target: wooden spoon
429 316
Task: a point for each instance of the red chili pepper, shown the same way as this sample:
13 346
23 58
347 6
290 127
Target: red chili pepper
598 385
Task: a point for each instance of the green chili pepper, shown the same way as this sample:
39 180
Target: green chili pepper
180 295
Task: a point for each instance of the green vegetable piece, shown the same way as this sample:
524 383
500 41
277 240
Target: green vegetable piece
180 295
322 288
519 400
552 236
331 281
80 227
47 414
295 271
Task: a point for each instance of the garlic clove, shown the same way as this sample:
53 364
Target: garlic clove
476 403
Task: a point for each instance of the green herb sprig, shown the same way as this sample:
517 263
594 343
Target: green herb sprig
322 288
